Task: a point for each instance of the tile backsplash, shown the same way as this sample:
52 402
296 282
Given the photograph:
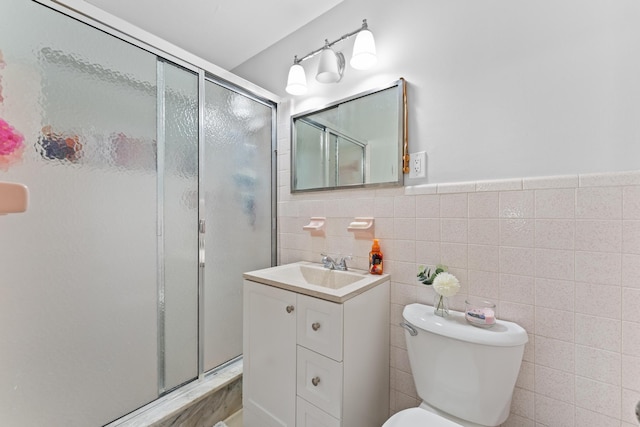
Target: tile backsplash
559 255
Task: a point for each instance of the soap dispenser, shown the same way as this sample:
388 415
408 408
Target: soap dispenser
375 258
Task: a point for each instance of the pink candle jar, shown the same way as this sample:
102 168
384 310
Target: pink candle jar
480 313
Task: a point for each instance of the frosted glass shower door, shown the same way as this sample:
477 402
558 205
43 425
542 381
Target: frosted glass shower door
78 289
238 198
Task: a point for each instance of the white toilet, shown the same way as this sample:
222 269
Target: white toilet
464 374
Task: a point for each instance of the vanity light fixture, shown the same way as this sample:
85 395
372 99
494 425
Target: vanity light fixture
331 65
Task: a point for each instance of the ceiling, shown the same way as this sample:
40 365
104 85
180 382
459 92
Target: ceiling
224 32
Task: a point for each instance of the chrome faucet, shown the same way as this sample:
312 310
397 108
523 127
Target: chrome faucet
331 264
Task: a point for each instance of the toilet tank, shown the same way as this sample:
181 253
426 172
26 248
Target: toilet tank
463 370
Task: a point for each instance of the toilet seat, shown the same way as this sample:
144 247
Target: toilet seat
418 417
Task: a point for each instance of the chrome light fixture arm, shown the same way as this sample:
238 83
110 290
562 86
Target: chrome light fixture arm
327 44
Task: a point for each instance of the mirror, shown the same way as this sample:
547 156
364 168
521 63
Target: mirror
356 142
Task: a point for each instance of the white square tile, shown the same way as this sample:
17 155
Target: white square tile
402 272
428 229
587 418
484 284
483 257
594 267
516 288
523 315
555 354
484 231
516 204
454 206
599 300
555 233
598 332
631 237
599 397
598 235
404 383
631 202
523 403
631 339
453 230
400 359
555 384
631 372
557 324
427 253
404 207
383 207
599 203
515 420
484 205
600 365
631 271
554 413
631 305
400 250
555 204
404 228
526 376
519 261
453 255
517 232
557 294
384 228
428 206
555 264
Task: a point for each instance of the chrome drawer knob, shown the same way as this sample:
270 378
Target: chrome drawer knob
315 381
290 308
315 326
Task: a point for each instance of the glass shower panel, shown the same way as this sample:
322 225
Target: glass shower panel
237 185
179 182
78 289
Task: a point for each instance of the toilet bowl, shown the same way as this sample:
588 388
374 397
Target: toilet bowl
418 417
464 374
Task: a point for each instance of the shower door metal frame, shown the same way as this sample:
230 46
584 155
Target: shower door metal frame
163 56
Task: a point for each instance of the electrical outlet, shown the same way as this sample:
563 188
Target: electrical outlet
418 165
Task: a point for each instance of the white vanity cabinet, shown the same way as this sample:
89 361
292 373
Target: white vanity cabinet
309 362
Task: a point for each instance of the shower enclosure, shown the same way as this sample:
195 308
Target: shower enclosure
151 191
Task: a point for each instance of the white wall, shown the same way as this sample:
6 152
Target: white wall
497 88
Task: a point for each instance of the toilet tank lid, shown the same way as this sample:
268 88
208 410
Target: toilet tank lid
502 334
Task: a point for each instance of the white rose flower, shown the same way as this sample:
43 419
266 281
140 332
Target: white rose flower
446 284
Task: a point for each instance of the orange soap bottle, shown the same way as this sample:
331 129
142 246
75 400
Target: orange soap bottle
375 258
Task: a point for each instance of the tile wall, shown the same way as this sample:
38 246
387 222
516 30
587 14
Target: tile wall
559 255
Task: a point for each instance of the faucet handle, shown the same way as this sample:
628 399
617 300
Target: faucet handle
342 262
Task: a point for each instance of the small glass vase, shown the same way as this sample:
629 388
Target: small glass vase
441 305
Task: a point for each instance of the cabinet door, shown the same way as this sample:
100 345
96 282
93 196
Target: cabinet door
269 381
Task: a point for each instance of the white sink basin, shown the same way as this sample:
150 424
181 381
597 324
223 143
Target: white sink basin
315 280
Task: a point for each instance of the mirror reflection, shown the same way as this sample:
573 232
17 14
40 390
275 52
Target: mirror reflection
356 142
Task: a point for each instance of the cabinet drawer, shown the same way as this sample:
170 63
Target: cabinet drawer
319 381
320 326
308 415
